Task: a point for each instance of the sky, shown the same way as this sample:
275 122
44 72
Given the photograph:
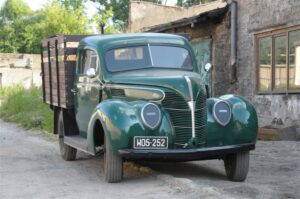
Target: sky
36 4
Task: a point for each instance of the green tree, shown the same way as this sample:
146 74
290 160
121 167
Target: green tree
14 16
22 30
120 9
105 17
72 4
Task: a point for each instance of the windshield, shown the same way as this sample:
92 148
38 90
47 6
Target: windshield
148 56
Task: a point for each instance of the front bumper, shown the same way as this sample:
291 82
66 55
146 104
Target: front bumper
185 154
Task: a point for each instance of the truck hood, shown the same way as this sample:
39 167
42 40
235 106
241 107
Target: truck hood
169 79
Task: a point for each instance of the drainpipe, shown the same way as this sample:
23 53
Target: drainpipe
233 39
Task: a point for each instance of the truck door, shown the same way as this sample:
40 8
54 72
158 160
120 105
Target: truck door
202 49
87 87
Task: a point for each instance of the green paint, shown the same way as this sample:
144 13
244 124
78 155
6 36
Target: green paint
120 115
202 49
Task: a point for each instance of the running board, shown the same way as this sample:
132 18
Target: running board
77 142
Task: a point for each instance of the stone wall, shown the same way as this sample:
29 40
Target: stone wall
21 69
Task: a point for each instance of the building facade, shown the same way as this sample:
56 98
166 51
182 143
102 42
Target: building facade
253 45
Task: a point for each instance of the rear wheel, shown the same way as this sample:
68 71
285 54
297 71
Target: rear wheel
237 166
67 152
113 164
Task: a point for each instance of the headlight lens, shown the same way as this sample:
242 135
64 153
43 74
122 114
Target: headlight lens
222 112
151 115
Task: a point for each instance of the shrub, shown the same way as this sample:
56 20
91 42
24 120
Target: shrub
26 107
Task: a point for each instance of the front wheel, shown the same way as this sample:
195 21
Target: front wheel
67 152
113 164
237 166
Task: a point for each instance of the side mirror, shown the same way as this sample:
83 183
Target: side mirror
91 73
207 67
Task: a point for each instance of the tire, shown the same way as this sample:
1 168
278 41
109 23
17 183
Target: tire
113 164
67 152
237 166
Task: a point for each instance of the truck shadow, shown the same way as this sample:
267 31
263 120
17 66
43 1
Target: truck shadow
133 170
195 169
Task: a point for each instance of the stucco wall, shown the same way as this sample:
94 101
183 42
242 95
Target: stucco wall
21 69
143 15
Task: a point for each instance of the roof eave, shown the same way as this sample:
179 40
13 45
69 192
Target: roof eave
204 16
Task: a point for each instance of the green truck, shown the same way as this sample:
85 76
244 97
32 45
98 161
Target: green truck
141 97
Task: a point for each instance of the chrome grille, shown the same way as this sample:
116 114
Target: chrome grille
181 119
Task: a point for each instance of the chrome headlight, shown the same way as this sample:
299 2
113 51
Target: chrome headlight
151 115
222 112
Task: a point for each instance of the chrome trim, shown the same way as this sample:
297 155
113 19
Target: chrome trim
214 112
191 105
138 88
184 127
95 84
143 119
177 109
150 54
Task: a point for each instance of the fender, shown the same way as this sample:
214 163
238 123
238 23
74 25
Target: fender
121 121
242 128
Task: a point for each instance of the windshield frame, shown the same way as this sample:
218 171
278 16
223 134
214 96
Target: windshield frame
155 67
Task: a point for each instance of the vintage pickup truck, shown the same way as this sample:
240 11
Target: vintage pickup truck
140 96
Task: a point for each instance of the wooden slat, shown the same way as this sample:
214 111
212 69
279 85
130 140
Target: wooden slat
59 67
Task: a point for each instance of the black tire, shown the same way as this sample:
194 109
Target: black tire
113 164
67 152
237 166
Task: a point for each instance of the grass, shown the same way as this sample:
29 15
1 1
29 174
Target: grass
26 107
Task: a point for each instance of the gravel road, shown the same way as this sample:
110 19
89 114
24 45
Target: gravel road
31 167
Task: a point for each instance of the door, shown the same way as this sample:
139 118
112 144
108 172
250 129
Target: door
202 49
87 88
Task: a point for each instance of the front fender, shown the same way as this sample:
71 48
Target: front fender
121 121
242 128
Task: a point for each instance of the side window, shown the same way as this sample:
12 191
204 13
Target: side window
89 59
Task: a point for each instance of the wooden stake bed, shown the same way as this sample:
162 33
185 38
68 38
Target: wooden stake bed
58 63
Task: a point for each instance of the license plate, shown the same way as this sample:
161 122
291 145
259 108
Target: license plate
150 142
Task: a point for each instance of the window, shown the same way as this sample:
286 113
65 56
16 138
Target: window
89 59
148 56
278 60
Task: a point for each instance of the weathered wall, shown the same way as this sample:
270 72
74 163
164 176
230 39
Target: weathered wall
259 16
21 69
218 30
254 16
143 15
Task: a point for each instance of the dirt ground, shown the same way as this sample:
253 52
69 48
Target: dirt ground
31 167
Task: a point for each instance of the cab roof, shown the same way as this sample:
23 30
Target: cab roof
113 40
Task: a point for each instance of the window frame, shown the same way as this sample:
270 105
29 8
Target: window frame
150 43
82 61
273 34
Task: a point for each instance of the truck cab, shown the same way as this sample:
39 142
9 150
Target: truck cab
140 96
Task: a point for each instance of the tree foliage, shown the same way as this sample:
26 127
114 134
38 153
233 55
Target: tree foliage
120 9
22 29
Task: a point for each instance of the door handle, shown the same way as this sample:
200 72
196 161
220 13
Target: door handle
74 90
